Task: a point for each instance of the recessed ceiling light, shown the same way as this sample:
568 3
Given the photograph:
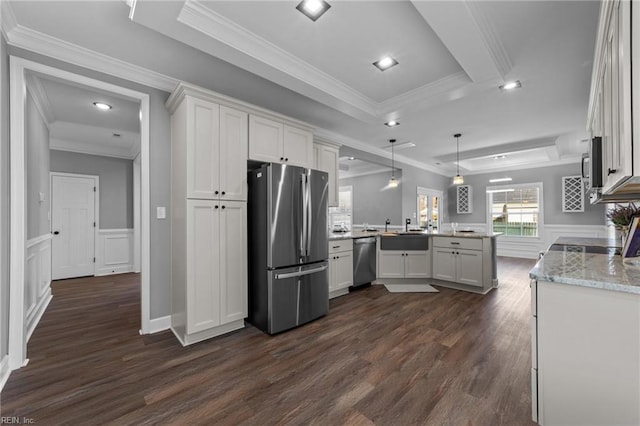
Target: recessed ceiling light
510 85
102 106
352 158
392 123
313 9
499 157
504 179
385 63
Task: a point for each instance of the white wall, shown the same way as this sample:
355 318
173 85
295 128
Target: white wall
37 152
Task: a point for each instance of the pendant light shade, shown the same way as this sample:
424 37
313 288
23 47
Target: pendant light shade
393 182
457 179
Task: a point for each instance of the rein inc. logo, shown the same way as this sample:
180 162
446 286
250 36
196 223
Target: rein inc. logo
15 420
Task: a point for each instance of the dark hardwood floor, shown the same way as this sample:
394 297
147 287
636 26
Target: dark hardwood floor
448 358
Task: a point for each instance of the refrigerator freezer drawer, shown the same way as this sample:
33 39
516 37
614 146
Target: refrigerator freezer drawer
297 295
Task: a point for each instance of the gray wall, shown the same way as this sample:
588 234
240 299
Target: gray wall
370 204
37 151
551 178
4 197
160 177
116 184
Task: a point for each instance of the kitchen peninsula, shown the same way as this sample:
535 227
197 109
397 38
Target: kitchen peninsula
460 260
585 333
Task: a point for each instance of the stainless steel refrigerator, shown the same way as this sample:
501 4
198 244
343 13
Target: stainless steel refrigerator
288 246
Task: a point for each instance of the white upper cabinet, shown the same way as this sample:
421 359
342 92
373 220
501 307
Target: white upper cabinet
213 141
274 141
326 158
612 115
233 154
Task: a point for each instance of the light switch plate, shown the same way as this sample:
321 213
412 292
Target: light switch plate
161 212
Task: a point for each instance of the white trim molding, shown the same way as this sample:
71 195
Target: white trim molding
114 251
5 371
157 325
37 290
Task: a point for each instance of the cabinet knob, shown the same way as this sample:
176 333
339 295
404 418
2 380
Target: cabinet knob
286 159
216 192
223 207
611 171
216 206
223 192
281 158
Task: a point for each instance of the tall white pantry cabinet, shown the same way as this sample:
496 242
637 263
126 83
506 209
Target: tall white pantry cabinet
208 216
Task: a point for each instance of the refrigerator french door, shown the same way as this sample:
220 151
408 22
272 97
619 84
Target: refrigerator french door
288 247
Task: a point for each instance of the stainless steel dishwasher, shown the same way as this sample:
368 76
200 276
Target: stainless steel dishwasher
364 261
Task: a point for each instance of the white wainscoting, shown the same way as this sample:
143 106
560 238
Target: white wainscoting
531 247
37 289
114 251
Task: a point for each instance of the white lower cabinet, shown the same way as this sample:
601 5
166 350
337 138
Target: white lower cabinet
209 270
458 261
586 352
340 267
403 264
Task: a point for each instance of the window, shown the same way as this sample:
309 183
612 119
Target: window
343 214
429 202
515 210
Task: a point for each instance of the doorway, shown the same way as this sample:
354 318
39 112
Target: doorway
429 208
19 68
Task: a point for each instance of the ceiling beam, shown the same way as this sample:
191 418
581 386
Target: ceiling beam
469 37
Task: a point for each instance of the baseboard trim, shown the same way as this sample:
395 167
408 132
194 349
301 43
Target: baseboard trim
122 269
5 371
39 311
157 325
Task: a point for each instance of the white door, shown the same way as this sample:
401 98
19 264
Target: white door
72 226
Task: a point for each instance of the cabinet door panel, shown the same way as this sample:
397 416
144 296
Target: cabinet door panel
469 267
391 264
203 265
265 139
343 270
298 147
444 266
233 260
327 161
234 147
203 148
416 264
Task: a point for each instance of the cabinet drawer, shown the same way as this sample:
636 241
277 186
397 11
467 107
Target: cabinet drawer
340 245
463 243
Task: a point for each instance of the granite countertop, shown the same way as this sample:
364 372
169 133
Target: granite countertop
587 262
361 234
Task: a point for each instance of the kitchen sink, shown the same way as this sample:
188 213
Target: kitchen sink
405 241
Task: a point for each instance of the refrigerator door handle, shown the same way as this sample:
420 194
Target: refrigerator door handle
303 236
309 218
301 273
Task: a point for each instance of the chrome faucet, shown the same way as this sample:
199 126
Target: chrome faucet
407 222
387 223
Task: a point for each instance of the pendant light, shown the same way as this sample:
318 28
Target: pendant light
393 182
457 179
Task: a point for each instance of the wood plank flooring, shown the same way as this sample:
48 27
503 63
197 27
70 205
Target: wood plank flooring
448 358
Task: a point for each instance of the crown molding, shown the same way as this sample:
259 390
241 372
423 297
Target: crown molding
496 49
7 19
204 20
35 41
34 86
85 148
